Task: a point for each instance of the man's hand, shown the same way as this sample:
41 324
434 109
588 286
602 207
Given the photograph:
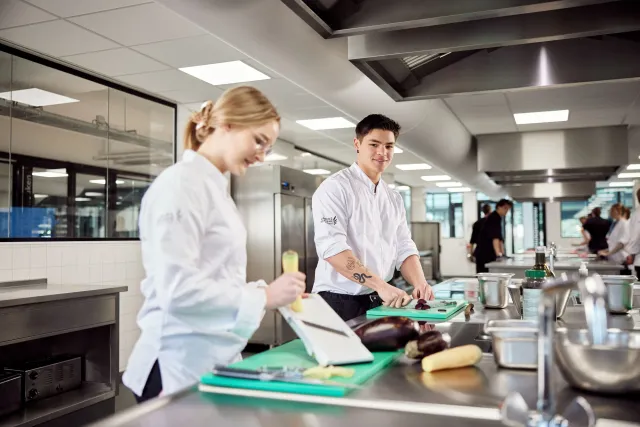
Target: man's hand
603 252
393 297
423 291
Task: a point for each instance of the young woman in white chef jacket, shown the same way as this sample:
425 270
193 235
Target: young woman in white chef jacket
199 309
617 239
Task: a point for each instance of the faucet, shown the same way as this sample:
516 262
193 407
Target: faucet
553 251
515 410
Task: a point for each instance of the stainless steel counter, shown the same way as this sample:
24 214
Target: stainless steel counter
41 292
518 266
455 398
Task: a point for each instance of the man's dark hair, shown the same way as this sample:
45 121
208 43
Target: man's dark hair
596 212
376 121
486 209
504 202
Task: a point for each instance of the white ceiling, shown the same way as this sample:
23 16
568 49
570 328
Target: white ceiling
142 44
599 104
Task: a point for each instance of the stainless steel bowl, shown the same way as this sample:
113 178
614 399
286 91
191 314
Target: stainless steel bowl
492 289
619 292
610 368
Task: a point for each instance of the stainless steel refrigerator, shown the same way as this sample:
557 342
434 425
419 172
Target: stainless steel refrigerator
275 204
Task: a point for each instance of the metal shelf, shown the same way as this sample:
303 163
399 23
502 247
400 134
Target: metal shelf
35 413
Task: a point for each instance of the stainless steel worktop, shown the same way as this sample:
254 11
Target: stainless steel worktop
476 390
571 264
38 293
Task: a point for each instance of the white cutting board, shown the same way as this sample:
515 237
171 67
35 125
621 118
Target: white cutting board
326 347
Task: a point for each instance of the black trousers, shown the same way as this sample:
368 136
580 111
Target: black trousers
153 387
351 306
481 267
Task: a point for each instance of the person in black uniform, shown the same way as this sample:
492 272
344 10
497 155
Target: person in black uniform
490 244
475 230
598 228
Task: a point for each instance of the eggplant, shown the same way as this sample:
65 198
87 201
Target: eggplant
387 333
428 343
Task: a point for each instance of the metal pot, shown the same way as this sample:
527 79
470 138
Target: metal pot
619 293
492 289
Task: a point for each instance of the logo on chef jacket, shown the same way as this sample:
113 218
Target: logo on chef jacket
329 220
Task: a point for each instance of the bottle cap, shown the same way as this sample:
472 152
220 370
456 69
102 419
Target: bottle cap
535 274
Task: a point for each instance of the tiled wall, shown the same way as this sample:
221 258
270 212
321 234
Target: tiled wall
83 263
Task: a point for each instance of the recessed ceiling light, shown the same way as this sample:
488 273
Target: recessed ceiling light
274 157
621 184
103 182
317 171
51 173
83 199
448 184
634 167
541 117
432 178
629 175
224 73
93 194
326 123
403 188
36 97
397 150
392 186
40 196
414 167
305 154
459 190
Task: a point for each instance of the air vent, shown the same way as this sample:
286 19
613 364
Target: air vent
414 62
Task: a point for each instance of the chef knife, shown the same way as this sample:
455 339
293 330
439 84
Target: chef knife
225 371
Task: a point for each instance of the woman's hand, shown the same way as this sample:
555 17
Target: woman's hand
285 289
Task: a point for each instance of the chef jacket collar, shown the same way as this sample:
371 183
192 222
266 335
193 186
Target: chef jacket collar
355 168
199 161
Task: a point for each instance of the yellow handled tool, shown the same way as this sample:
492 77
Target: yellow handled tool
290 265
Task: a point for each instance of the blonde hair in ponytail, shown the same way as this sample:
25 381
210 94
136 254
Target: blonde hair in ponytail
242 106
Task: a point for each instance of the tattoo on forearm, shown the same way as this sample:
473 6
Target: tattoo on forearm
361 277
351 263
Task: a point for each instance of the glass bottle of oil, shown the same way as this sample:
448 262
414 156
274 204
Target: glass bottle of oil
541 262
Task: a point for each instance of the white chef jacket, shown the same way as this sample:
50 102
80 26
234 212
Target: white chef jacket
350 213
198 309
619 234
633 247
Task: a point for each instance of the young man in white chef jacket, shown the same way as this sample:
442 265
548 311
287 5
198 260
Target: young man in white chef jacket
361 230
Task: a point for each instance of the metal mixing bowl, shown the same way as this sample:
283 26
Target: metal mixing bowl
492 289
610 368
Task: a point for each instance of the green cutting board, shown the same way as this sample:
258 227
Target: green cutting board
293 354
412 313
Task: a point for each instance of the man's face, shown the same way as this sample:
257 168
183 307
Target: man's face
503 210
376 150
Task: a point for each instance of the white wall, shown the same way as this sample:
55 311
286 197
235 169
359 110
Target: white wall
553 229
453 259
83 263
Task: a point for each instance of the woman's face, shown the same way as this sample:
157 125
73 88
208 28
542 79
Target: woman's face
614 214
246 146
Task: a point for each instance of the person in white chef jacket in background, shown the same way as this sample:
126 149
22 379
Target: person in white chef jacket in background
617 239
361 231
198 308
633 247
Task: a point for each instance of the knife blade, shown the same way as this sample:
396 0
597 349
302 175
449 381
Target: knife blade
324 328
225 371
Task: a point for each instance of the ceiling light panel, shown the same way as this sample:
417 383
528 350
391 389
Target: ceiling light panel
434 178
36 97
274 157
397 150
413 167
317 171
225 73
326 123
448 184
541 117
51 173
624 175
459 190
621 184
634 167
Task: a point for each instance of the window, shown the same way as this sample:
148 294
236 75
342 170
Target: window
446 208
571 211
76 155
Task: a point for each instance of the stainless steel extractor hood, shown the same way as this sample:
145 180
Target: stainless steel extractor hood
559 164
